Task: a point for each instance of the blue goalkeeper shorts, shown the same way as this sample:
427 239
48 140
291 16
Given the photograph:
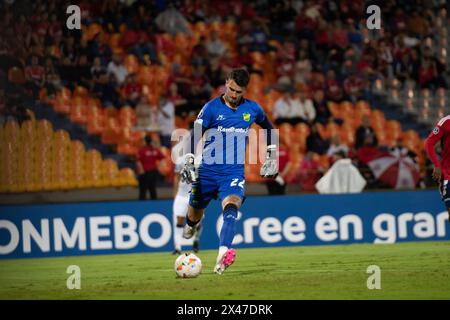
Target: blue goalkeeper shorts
212 186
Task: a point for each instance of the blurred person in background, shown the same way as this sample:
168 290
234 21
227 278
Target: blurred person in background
364 131
323 113
147 116
305 107
336 146
131 91
315 142
181 192
166 121
147 169
277 186
309 172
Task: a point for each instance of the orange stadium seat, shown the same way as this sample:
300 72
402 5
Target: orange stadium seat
111 132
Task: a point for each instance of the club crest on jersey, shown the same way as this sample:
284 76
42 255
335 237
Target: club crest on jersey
436 130
246 116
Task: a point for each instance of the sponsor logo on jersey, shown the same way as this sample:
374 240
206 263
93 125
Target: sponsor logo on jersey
246 116
436 130
232 129
220 117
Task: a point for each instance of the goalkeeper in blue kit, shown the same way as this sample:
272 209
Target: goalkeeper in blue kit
224 122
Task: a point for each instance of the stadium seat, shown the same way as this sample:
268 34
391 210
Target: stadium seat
111 132
78 111
127 177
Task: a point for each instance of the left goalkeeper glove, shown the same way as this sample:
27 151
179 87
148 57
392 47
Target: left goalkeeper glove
270 168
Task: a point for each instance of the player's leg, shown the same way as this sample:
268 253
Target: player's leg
180 206
201 194
232 194
227 255
196 244
193 218
444 190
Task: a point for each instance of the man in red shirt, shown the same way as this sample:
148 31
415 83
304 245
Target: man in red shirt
441 170
147 164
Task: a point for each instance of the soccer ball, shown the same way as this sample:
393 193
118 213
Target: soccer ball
188 265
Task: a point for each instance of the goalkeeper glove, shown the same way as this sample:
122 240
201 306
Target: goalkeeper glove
189 173
270 167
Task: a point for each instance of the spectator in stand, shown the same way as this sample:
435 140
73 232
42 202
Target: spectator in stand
336 146
353 87
305 107
200 90
52 78
144 46
215 73
260 37
363 132
323 113
101 49
368 151
131 91
244 59
244 37
199 54
285 110
432 71
399 150
309 172
97 69
105 89
82 72
147 116
166 121
418 25
315 142
334 90
183 82
172 21
147 168
303 68
117 69
215 46
402 68
180 103
278 186
35 76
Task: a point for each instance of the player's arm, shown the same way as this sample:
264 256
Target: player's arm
431 141
189 173
270 167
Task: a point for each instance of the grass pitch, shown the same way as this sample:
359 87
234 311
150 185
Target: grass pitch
408 271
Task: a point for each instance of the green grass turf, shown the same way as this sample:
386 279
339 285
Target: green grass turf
419 270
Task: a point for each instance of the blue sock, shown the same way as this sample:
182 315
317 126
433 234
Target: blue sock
229 225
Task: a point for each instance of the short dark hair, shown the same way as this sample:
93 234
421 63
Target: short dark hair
240 76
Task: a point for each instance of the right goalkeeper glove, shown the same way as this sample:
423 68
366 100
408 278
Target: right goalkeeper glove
189 173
